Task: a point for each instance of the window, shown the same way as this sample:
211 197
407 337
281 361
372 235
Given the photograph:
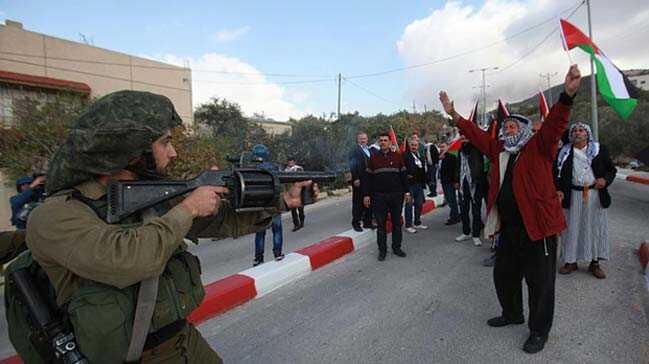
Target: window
6 110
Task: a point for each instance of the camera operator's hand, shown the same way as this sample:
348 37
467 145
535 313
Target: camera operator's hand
293 197
38 181
204 201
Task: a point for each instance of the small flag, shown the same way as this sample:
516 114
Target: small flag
404 146
543 106
393 136
611 82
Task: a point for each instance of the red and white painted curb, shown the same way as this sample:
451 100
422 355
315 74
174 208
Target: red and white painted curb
633 178
234 290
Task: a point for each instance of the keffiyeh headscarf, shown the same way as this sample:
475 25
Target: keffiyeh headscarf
592 149
514 143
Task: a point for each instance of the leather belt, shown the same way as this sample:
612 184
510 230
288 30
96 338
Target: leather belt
165 333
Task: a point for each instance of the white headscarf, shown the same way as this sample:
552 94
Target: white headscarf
514 143
592 148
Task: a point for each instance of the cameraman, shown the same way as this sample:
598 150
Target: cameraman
30 190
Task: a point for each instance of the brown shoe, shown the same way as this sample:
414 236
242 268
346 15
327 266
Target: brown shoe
568 268
596 270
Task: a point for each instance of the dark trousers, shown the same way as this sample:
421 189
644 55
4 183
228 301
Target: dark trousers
518 257
432 179
417 194
450 195
471 205
382 204
359 211
298 216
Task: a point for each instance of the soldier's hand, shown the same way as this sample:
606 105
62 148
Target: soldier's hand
366 201
293 197
357 183
204 201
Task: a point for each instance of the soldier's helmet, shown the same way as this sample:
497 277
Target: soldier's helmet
115 130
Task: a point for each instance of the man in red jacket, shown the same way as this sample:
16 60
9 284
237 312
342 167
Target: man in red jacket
523 207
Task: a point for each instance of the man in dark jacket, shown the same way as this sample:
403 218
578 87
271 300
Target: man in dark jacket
29 190
585 171
523 207
416 172
358 158
449 177
432 159
473 188
386 188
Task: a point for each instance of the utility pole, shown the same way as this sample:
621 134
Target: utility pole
340 77
547 77
593 84
484 90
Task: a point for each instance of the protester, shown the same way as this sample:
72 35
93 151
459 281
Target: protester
262 153
432 158
296 213
358 158
416 174
30 190
473 188
523 207
385 189
449 177
585 171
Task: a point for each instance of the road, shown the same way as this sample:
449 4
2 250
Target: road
429 307
432 306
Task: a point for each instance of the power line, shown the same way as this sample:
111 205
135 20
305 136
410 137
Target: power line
167 68
370 92
321 80
97 75
465 53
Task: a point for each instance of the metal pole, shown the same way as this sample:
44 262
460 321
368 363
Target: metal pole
484 97
339 81
593 84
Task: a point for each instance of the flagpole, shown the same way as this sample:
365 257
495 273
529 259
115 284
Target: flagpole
593 84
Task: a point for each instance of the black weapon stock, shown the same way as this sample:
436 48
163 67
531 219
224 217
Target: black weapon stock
251 189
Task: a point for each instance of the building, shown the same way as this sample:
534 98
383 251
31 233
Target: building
639 78
39 65
275 127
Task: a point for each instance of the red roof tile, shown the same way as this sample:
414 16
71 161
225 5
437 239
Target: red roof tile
43 82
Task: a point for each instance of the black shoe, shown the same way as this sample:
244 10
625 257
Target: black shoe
357 228
258 260
399 253
452 221
501 321
369 226
279 256
381 256
432 194
296 228
535 343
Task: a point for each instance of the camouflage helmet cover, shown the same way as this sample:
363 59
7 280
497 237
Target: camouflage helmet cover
114 130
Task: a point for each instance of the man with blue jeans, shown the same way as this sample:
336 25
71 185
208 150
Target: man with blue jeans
260 152
416 174
449 177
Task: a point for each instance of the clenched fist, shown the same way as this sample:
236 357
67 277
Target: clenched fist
573 79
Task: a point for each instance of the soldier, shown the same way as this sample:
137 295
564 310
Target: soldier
106 275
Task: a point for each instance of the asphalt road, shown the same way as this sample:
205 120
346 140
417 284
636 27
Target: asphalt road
429 307
432 306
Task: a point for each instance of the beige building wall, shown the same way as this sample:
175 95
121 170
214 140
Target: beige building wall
5 209
275 127
105 71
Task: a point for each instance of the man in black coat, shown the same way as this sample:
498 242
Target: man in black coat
432 159
473 188
416 174
449 177
358 158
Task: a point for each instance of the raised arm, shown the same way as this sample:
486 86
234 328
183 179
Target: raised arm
478 137
557 121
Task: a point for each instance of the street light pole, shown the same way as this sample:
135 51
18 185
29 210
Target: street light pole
484 90
593 83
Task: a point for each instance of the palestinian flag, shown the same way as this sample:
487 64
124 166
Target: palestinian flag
404 146
543 106
393 136
454 146
612 84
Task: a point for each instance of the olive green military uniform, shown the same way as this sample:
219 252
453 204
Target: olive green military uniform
96 267
12 243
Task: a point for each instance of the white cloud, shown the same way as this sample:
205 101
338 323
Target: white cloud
457 27
222 76
228 35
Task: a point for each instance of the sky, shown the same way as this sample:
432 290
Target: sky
282 58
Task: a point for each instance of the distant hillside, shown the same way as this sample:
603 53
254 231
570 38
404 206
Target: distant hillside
624 138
